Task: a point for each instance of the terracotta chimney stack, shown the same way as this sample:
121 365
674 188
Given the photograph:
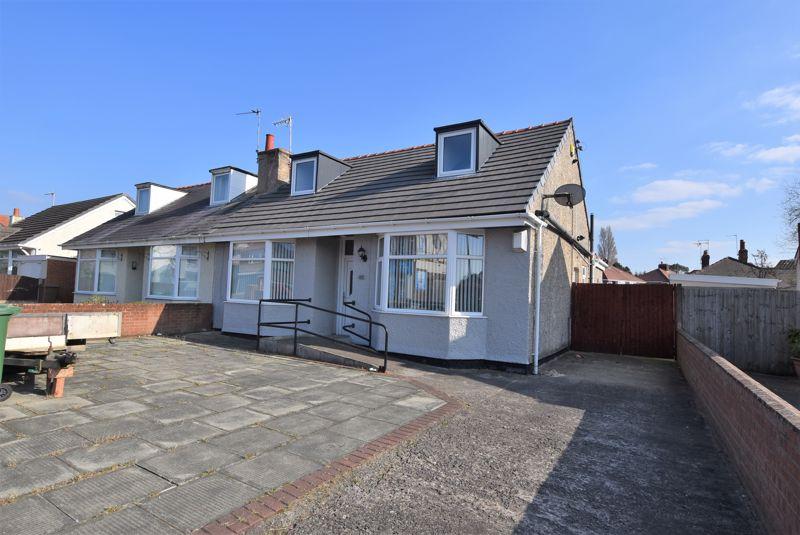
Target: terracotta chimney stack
705 260
16 216
742 252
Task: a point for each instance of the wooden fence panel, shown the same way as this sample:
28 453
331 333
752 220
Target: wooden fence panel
630 319
18 288
748 326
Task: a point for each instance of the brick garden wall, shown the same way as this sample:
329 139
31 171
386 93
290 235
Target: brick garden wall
759 430
141 319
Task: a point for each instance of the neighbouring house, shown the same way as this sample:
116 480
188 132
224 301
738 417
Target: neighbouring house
660 275
455 246
741 268
721 281
31 246
614 275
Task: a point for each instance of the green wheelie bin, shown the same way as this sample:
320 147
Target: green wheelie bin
6 311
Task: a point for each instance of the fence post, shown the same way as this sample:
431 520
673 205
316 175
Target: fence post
294 346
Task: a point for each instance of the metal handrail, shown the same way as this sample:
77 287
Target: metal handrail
293 326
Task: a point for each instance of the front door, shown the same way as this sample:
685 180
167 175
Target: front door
353 286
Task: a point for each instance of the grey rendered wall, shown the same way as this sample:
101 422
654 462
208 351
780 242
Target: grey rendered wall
129 280
560 258
220 282
507 298
315 273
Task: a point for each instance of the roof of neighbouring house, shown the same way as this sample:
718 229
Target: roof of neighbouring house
49 218
392 186
656 275
786 264
612 273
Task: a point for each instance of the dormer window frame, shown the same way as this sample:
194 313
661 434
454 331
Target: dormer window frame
297 162
139 209
214 177
440 146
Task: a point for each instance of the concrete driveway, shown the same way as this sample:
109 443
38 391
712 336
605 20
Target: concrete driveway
596 444
163 436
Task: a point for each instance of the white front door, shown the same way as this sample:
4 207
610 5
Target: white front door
353 286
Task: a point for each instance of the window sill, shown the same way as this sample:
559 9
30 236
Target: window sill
426 313
170 298
254 302
84 292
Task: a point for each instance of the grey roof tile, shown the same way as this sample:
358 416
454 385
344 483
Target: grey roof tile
50 218
385 187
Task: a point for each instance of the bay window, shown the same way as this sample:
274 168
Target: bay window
431 273
252 263
174 272
97 271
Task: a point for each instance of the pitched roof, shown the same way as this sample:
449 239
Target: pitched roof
392 186
47 219
612 273
656 275
786 264
187 216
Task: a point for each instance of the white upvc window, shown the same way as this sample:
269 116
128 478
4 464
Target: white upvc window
174 272
431 273
97 271
142 201
252 263
8 261
304 176
456 152
220 188
469 273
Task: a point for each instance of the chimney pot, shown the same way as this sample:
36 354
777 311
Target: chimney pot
705 260
16 212
270 142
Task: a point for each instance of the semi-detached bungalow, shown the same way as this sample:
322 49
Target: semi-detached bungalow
454 246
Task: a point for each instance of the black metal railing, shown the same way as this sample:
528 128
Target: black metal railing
294 326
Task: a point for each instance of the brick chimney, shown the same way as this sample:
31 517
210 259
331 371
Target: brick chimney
663 266
274 167
742 252
705 260
16 216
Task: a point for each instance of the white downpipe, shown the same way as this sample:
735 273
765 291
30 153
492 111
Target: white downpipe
537 297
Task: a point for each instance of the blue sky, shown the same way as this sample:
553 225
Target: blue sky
689 112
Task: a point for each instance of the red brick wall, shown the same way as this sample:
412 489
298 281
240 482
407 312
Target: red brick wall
140 319
759 430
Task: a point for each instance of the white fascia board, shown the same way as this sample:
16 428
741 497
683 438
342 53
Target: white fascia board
387 228
723 280
492 221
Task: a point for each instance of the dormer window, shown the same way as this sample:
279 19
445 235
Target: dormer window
220 188
463 148
304 176
142 201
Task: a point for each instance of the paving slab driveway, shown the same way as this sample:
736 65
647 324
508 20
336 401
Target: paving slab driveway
158 435
595 444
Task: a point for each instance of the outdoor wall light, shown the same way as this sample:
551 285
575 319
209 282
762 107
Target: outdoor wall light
362 254
133 265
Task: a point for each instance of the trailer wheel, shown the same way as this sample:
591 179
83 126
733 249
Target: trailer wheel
5 392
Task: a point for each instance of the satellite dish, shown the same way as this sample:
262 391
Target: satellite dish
569 195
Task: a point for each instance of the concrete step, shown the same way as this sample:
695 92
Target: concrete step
323 351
